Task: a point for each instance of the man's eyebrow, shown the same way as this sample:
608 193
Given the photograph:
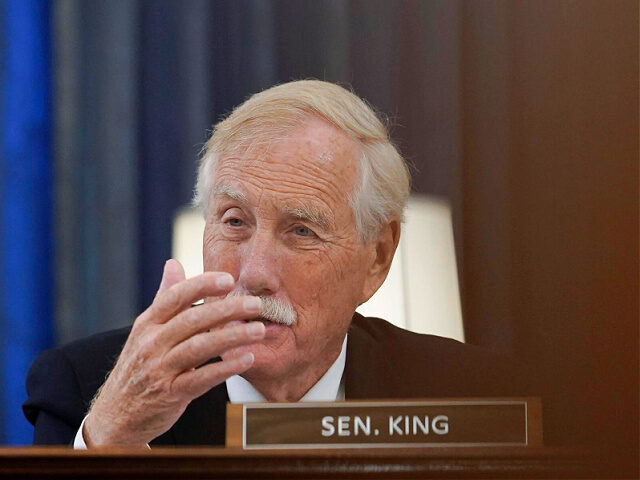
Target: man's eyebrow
310 214
229 192
304 212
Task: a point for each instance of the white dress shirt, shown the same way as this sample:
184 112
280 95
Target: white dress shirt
329 388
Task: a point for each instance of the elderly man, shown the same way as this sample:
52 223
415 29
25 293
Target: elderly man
303 195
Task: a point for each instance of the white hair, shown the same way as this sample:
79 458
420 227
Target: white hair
273 309
383 188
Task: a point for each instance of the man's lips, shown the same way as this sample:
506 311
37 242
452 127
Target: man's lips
258 319
266 321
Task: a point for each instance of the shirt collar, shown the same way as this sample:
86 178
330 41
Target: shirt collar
329 388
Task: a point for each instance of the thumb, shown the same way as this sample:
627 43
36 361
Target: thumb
173 273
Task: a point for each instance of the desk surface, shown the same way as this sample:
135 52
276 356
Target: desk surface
201 463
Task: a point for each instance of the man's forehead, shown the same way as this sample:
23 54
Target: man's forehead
308 174
259 151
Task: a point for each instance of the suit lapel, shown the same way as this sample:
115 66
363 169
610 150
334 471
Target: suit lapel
365 371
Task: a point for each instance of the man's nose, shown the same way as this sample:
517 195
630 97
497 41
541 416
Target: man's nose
259 273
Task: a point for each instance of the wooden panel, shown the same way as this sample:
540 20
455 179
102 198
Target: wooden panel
233 435
205 463
550 204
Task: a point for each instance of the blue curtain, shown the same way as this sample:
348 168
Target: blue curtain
25 204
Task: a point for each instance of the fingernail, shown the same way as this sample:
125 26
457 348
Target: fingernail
255 329
224 280
246 359
252 304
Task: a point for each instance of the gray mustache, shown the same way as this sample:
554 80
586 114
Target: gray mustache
273 309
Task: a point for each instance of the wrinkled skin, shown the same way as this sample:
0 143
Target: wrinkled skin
321 268
156 375
315 263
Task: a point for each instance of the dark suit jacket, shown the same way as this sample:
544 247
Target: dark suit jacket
383 361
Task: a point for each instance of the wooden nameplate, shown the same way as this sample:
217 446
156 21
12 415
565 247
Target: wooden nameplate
450 422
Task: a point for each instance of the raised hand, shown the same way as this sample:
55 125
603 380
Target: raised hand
159 369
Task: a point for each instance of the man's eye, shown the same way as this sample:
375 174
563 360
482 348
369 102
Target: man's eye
235 222
303 231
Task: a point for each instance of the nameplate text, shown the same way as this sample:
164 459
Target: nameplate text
450 422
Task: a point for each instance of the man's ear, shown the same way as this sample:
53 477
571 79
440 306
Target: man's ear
382 251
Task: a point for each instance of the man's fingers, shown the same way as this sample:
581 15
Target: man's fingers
172 273
198 381
180 296
206 316
202 347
